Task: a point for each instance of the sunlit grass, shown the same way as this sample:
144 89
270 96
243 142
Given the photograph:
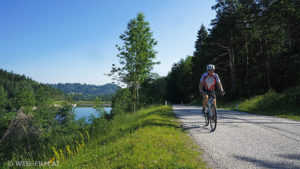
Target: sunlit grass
150 138
284 105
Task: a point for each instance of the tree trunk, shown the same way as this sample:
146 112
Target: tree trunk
247 60
289 47
247 66
262 60
136 95
134 102
231 63
268 66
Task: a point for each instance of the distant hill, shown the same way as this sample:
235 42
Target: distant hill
18 90
86 89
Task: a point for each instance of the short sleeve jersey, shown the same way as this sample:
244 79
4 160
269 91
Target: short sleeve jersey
209 81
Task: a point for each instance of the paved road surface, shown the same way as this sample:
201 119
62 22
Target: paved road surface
243 140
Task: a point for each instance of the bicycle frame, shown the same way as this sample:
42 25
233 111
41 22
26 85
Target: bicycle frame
209 103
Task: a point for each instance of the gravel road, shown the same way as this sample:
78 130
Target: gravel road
243 140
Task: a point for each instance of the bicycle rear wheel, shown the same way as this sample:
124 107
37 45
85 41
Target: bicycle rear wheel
213 118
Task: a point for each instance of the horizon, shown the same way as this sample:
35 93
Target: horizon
74 42
59 82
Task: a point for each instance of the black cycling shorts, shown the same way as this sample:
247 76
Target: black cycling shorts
209 92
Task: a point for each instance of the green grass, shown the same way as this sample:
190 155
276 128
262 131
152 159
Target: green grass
149 138
285 104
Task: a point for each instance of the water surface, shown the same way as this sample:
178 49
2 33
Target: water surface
85 112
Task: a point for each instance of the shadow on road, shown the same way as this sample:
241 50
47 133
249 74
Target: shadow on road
268 164
290 156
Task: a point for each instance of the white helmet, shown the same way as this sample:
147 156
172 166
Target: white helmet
210 67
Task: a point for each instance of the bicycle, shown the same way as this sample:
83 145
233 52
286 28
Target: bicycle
210 115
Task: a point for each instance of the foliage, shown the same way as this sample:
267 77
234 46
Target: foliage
87 92
122 102
179 82
24 97
283 104
18 91
136 55
254 44
40 117
3 98
100 109
152 90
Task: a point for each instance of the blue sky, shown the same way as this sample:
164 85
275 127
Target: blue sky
66 41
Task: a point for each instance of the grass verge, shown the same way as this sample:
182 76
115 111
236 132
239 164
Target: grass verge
285 104
149 138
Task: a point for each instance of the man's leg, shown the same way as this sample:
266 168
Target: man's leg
205 99
215 102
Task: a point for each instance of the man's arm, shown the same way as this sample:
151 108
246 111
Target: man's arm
220 86
219 83
201 86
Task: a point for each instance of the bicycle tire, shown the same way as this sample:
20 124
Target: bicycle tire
206 119
213 118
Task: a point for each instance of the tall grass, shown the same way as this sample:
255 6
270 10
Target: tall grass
149 138
285 104
40 148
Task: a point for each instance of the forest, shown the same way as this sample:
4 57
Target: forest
255 45
18 90
87 92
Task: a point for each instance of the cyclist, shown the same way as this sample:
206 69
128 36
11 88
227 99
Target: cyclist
207 85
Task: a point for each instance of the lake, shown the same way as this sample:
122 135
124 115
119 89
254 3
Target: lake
85 112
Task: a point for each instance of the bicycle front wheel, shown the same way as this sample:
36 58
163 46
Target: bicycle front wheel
213 118
206 119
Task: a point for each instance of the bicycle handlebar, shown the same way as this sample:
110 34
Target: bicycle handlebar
220 93
216 93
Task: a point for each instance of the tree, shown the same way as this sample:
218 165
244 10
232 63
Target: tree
41 97
136 55
121 102
153 90
3 98
224 31
201 38
25 97
199 60
179 82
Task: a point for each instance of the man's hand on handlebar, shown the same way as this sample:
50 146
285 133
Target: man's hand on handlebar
222 92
